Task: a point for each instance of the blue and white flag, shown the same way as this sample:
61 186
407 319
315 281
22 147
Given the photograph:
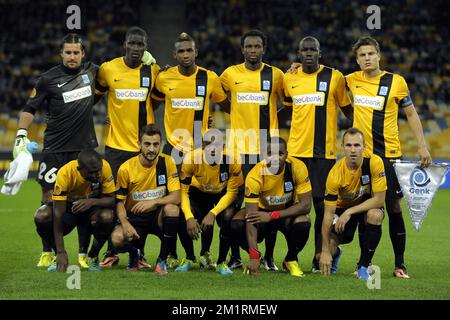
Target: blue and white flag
419 185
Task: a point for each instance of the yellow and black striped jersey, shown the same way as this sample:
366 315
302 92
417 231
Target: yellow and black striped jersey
187 99
138 183
315 99
71 185
253 104
212 179
129 103
346 188
277 191
376 101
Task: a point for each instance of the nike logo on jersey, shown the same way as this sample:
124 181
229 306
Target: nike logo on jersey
295 86
359 86
60 85
170 89
115 80
238 82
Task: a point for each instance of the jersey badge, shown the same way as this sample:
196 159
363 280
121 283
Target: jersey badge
85 78
145 81
365 179
288 187
266 85
162 179
201 90
323 86
383 91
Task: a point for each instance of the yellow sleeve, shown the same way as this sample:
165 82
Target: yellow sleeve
253 185
225 81
287 101
157 91
402 96
232 189
218 95
122 183
101 84
341 91
378 174
187 171
332 188
301 178
61 188
279 84
107 179
173 183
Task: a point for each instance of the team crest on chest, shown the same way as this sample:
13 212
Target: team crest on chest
365 179
85 78
201 90
288 187
145 81
162 179
223 176
323 86
266 85
383 90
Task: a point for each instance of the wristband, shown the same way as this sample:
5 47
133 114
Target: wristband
274 215
22 132
254 254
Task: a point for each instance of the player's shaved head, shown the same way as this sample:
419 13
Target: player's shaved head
89 159
352 132
309 38
136 31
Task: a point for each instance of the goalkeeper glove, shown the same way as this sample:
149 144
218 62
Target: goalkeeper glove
148 59
22 143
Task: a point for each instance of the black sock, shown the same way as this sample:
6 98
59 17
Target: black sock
224 244
270 240
102 232
397 233
319 209
186 240
45 231
372 237
298 235
206 238
84 238
169 237
361 238
110 251
239 237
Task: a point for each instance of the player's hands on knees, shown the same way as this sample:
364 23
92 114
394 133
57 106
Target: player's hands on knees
208 221
82 205
257 217
129 232
193 228
294 67
325 263
144 206
341 222
61 261
425 157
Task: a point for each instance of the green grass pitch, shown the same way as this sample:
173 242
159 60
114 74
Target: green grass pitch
427 258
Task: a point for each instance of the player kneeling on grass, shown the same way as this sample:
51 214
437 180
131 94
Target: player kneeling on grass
355 193
209 184
277 198
148 195
83 195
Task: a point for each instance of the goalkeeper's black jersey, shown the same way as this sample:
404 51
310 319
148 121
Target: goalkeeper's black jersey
67 96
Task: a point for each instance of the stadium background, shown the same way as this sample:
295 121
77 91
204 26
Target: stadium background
412 37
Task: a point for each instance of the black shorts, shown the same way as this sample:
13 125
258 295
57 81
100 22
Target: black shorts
146 223
248 162
202 202
49 165
116 158
71 220
318 170
393 187
273 226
